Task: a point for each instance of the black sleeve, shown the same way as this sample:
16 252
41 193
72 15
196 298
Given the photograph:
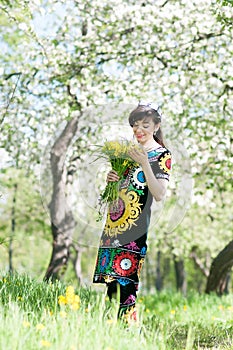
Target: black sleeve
162 165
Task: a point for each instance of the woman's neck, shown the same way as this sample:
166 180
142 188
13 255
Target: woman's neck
150 145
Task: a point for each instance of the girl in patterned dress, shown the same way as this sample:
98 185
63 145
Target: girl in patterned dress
123 242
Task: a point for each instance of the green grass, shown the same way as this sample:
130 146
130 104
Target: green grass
31 319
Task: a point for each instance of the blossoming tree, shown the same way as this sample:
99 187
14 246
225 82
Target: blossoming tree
89 53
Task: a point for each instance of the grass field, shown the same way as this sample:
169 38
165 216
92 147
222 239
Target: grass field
36 315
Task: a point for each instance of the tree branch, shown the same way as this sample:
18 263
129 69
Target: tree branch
12 74
12 95
199 263
165 3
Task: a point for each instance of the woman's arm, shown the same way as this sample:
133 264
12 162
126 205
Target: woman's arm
157 187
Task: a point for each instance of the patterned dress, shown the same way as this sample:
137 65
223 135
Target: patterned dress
123 245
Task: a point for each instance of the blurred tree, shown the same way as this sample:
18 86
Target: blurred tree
219 271
22 215
219 274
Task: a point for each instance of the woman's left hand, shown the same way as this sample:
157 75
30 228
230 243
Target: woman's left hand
139 155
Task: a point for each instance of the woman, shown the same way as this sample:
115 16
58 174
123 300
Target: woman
123 243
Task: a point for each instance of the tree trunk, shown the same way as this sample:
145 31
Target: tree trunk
198 262
220 267
226 289
158 278
62 220
181 284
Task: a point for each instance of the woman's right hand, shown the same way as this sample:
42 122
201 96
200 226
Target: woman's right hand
112 176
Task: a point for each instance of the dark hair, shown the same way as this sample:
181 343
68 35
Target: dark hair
142 112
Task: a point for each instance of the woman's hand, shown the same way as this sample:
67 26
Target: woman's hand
139 155
112 176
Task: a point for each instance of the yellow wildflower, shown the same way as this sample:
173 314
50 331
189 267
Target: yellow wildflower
75 306
110 321
45 343
70 298
63 314
26 324
40 327
77 299
70 294
172 312
62 300
185 307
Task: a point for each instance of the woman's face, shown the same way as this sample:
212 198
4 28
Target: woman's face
144 130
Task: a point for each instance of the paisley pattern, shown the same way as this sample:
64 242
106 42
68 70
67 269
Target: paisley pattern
123 215
123 243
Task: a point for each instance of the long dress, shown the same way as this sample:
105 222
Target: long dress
123 244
